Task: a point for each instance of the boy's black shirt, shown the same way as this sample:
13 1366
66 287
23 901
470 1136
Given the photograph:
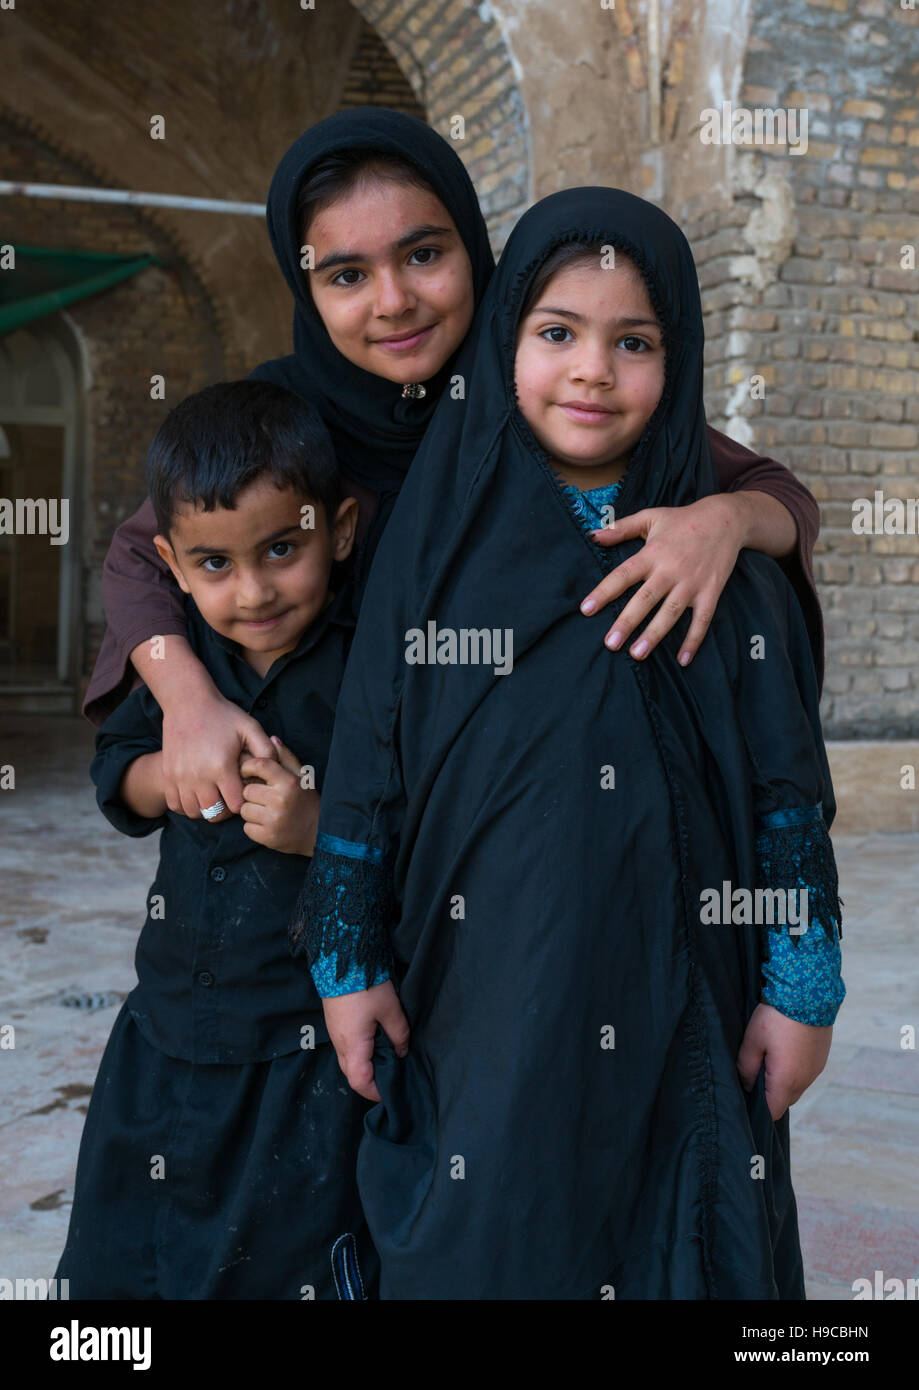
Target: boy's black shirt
217 982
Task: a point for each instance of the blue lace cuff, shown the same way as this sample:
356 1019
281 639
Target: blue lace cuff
343 915
801 970
794 855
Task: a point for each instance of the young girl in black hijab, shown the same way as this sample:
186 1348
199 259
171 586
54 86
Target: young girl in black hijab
566 861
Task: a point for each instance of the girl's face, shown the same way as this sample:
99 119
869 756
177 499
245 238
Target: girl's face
589 369
392 280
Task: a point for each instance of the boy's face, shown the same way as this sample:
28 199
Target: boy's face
258 575
589 369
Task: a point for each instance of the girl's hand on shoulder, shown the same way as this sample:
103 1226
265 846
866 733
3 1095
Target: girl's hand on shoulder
688 556
795 1055
202 743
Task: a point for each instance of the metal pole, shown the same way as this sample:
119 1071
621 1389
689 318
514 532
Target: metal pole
654 68
74 193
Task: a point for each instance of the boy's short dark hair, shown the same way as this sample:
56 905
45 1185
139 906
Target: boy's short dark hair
216 442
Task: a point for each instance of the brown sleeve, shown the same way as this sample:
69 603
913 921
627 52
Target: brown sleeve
141 599
739 470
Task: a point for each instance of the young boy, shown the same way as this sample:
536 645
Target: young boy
217 1158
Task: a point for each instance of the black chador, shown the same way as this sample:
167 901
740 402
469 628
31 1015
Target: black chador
569 1122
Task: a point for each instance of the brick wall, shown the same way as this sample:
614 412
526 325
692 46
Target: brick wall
813 299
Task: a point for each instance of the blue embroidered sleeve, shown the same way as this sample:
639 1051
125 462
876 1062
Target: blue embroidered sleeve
804 981
343 916
801 971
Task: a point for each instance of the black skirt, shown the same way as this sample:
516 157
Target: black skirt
211 1181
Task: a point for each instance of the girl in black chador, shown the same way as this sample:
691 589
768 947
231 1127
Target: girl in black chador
569 864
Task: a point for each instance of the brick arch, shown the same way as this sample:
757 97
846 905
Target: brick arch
155 218
458 63
375 78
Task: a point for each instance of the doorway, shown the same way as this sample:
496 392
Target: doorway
40 437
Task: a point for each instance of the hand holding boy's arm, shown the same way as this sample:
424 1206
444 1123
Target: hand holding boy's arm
279 812
795 1055
203 733
352 1021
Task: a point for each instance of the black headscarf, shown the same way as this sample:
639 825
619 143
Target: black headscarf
468 824
375 431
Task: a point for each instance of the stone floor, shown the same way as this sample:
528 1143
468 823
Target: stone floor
70 909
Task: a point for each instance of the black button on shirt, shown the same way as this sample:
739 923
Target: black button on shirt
216 980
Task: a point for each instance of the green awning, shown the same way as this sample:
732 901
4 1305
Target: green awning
45 280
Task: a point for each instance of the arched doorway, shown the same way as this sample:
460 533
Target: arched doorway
458 63
41 467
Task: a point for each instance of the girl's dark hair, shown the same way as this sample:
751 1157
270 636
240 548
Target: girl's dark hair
570 253
214 443
336 175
